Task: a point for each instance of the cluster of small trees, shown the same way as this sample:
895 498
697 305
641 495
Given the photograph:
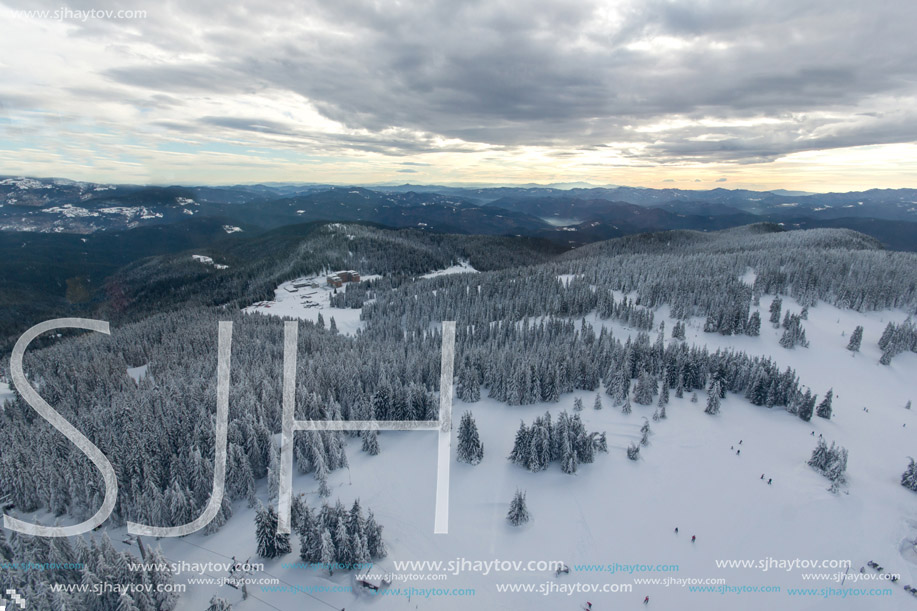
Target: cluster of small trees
567 441
830 462
335 536
332 537
730 316
803 405
270 543
897 339
678 330
793 333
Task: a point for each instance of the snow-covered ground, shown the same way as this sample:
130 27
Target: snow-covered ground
208 261
307 297
138 373
625 512
462 267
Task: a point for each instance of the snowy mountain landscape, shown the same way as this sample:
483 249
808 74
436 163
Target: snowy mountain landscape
674 380
433 306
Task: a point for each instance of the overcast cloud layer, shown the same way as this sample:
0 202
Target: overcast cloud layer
641 91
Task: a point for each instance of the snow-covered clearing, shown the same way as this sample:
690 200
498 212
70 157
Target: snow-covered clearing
138 373
462 267
307 297
208 261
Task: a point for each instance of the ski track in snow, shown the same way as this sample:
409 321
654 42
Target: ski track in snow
620 511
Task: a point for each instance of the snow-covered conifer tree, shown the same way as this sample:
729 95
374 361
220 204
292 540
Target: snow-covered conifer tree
713 398
824 408
909 477
518 512
856 338
470 449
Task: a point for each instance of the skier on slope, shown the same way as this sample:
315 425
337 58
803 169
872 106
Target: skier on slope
646 600
676 530
693 538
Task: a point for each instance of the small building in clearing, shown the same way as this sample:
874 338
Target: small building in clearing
337 279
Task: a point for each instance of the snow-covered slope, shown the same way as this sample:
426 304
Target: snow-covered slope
617 511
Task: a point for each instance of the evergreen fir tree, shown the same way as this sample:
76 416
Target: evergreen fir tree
633 451
678 331
374 543
819 459
327 551
470 449
713 398
600 443
887 335
909 477
663 397
837 466
597 404
856 338
753 328
568 461
577 404
775 311
646 388
807 405
521 450
370 442
830 462
270 543
824 408
518 512
219 604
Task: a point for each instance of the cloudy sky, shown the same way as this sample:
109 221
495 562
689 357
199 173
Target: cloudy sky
698 93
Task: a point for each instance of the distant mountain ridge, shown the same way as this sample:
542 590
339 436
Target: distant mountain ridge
572 216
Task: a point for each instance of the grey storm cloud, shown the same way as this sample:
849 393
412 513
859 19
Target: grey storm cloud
546 72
